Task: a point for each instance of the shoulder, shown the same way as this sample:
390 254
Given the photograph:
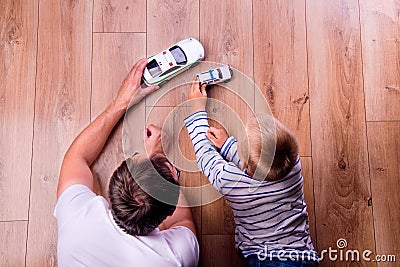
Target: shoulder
72 200
184 244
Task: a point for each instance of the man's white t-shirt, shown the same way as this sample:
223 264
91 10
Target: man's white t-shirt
89 236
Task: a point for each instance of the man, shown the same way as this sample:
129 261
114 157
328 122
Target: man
93 232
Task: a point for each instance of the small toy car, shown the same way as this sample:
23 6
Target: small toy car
218 75
172 61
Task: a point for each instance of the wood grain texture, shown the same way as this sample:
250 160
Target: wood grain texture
384 151
280 64
12 246
119 16
217 218
114 54
219 250
168 22
338 131
18 25
62 110
380 37
230 44
308 188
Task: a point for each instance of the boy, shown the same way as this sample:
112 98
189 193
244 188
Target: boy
270 213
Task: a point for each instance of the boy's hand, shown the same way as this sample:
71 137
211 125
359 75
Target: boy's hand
130 90
197 96
217 136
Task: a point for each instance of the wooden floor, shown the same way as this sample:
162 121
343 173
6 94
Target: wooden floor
329 69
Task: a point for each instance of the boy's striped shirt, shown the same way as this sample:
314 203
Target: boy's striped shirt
271 217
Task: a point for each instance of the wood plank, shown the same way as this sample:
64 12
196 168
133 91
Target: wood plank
62 110
119 16
219 250
280 64
114 54
380 38
338 131
12 246
308 187
384 155
168 22
217 217
18 28
230 44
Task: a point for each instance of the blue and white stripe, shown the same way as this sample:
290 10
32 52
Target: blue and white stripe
270 217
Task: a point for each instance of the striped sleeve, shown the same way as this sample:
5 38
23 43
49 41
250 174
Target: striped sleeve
229 151
210 162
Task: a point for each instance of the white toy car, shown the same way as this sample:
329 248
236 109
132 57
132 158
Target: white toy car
218 75
172 61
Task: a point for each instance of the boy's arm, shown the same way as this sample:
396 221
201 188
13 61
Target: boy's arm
229 151
226 144
210 162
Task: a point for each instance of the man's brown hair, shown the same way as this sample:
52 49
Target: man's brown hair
142 193
273 148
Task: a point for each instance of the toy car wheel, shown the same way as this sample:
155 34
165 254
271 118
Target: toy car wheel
162 83
194 65
143 84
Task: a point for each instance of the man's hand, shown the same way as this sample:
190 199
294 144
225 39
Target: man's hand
130 91
197 96
217 136
88 144
154 137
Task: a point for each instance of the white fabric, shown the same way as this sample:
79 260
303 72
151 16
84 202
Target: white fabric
88 236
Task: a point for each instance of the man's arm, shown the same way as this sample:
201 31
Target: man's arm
182 216
87 146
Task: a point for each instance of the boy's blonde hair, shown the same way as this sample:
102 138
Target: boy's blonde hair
272 148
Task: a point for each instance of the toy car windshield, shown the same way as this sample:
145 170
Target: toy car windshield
154 68
178 55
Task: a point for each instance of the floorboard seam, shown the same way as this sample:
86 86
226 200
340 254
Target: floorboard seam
315 242
33 131
91 68
366 126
